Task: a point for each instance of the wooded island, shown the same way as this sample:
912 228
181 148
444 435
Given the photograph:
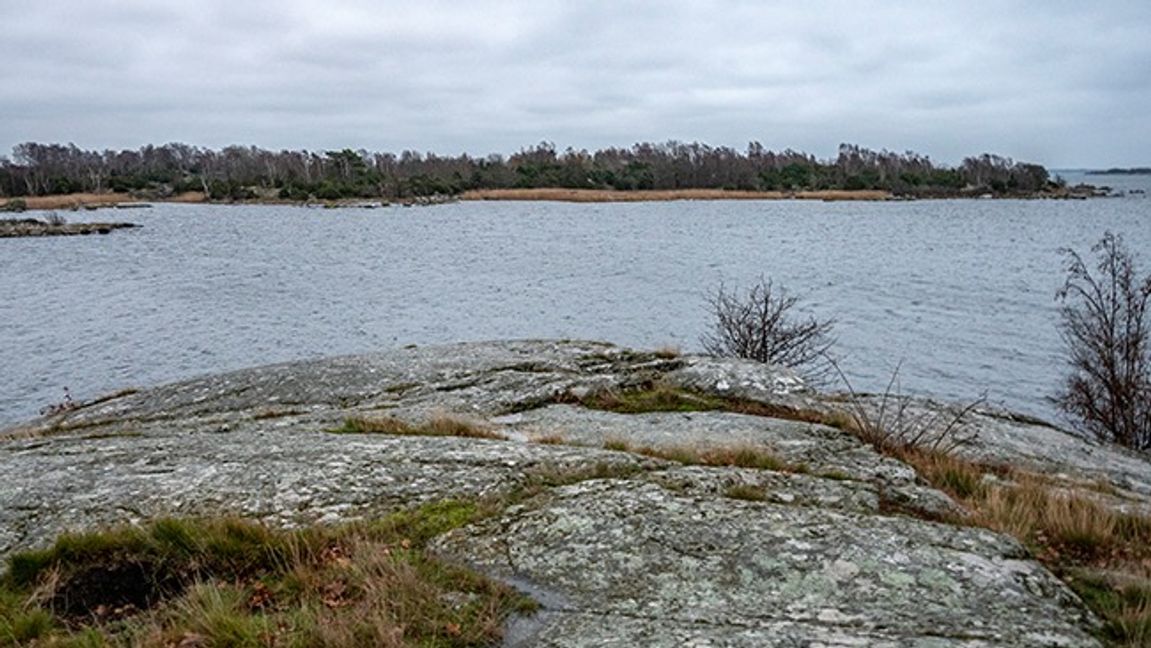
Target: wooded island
237 173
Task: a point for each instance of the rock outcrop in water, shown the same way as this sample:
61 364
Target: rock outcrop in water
641 551
15 228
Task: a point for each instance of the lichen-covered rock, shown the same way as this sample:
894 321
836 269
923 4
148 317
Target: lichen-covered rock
675 566
658 554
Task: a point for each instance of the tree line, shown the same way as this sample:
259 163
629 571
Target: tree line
238 172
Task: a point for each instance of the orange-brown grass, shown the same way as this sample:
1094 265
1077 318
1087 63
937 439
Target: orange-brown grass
187 197
740 456
435 426
81 200
548 439
1102 553
607 195
1033 508
76 200
746 492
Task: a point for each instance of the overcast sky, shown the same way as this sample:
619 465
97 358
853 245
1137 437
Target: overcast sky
1061 83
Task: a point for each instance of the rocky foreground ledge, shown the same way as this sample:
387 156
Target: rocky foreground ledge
643 550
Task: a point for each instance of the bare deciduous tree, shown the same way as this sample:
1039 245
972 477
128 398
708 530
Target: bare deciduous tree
1104 326
759 325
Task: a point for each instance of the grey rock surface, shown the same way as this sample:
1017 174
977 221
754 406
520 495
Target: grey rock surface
672 567
817 449
661 554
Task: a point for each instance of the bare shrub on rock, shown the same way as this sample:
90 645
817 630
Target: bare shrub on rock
897 424
760 324
1104 326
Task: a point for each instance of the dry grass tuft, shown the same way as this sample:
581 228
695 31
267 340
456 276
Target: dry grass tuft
549 439
746 492
1058 523
436 426
739 456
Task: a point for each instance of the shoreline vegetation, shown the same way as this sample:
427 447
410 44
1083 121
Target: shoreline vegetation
55 176
130 200
641 195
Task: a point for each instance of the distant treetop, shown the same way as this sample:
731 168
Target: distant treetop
238 172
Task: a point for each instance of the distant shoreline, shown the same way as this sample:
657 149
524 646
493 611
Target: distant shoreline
91 201
656 195
1136 171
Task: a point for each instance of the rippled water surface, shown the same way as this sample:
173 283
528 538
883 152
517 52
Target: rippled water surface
960 291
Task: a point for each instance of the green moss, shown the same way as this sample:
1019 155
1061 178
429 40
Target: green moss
428 521
658 398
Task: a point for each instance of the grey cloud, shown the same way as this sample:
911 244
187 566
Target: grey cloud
1059 82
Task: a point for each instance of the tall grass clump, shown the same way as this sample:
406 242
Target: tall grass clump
233 582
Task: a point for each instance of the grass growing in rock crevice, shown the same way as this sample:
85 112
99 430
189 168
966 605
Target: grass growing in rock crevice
233 582
740 456
438 426
745 492
660 397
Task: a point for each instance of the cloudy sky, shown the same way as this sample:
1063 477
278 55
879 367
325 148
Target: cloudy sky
1061 83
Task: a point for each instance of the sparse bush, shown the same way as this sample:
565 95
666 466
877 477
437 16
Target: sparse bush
14 205
895 425
1104 326
760 325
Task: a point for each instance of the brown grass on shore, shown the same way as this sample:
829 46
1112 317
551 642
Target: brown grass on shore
76 200
187 197
81 200
605 195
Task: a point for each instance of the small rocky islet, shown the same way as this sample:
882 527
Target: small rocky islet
25 227
831 544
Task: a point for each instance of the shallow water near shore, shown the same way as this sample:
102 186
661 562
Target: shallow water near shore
962 292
